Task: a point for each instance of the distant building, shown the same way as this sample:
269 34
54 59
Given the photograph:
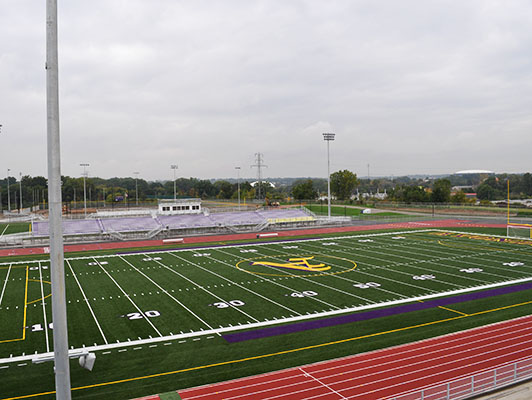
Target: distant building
179 206
475 172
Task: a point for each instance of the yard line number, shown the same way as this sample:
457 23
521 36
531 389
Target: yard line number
367 285
227 304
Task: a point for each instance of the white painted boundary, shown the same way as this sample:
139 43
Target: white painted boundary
219 331
5 284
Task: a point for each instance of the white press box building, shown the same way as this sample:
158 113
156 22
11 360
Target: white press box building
179 206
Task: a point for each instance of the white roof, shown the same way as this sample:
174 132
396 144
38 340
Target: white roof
474 171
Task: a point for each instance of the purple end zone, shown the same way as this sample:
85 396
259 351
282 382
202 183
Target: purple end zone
364 316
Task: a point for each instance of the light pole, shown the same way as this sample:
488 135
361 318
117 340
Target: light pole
8 195
174 167
136 189
57 264
84 165
328 137
20 193
238 180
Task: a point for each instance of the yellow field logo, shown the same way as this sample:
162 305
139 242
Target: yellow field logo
295 263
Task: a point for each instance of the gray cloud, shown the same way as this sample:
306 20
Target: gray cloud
409 87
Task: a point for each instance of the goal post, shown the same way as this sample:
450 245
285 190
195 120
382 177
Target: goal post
522 231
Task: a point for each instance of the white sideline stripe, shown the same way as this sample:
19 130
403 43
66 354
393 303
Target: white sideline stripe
44 312
129 298
5 284
168 294
235 283
207 291
245 245
425 343
270 323
87 302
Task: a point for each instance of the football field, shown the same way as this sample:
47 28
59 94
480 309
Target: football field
147 305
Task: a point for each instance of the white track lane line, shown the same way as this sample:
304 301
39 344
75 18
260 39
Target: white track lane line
88 303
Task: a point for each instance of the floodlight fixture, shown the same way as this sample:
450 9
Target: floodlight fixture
328 137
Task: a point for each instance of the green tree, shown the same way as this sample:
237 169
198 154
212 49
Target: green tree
343 184
304 190
459 197
441 191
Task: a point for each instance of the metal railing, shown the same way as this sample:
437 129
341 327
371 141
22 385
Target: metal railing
473 385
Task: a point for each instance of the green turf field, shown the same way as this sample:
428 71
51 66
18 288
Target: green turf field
157 319
14 227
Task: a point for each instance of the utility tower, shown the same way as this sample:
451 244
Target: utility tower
259 160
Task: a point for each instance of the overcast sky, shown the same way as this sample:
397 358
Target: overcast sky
409 87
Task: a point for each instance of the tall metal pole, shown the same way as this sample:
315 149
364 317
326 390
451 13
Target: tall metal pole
328 137
20 193
136 189
59 314
8 195
174 167
238 180
84 165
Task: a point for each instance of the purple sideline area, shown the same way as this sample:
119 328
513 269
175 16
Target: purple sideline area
364 316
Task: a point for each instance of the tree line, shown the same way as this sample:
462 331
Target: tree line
344 183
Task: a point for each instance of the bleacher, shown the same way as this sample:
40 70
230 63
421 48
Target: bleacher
220 220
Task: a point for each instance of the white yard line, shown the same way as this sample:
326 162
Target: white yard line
128 297
88 303
44 311
5 229
234 283
245 245
314 282
5 284
168 294
269 323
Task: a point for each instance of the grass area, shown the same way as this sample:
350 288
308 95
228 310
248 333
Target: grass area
14 227
321 209
172 300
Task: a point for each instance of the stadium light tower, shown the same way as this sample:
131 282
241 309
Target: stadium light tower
136 189
20 183
8 195
174 167
238 180
84 165
328 137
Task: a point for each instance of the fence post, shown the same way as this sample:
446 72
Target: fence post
495 377
422 394
515 371
448 390
473 384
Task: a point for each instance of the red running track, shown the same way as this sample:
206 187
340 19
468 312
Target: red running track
248 236
386 373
